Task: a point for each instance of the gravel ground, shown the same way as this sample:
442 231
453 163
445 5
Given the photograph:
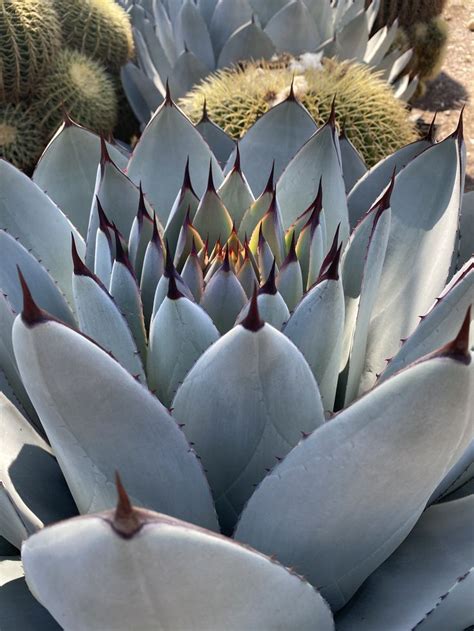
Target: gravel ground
454 87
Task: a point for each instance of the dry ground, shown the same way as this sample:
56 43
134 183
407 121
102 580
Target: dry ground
454 87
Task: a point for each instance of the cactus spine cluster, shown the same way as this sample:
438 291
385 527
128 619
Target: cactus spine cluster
98 28
57 57
373 119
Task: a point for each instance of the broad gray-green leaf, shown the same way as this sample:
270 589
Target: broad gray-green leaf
466 248
142 94
224 297
441 322
236 195
266 9
219 142
263 396
31 217
67 170
351 41
212 219
293 30
187 72
369 187
420 575
33 491
246 42
193 31
271 306
119 198
353 165
228 16
153 266
160 156
221 584
275 137
99 419
124 290
19 608
290 279
425 215
317 161
100 319
366 294
180 332
316 327
396 441
186 202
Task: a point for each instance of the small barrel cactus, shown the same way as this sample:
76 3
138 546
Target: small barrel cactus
409 11
21 137
98 28
30 36
373 119
81 87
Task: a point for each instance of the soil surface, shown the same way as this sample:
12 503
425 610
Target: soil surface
454 87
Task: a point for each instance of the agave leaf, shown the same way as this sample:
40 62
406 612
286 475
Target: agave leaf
271 306
219 142
159 169
32 218
461 473
192 275
466 248
246 42
206 8
67 170
372 184
186 202
235 194
98 418
228 16
290 278
140 236
398 441
316 327
187 72
164 32
33 491
142 94
265 9
274 137
192 29
212 219
353 165
246 275
364 290
256 211
153 267
422 574
19 608
379 44
103 259
223 297
118 196
181 331
425 215
169 556
254 414
100 319
293 30
439 324
352 39
148 54
318 161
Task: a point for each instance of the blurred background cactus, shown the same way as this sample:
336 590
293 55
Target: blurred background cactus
59 56
375 121
422 29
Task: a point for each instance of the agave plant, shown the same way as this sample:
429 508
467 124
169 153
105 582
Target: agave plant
182 41
141 344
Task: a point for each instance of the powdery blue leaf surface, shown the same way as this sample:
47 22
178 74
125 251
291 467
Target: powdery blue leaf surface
397 441
246 42
99 419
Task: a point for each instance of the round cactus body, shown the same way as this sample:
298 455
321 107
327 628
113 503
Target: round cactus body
82 88
30 36
21 138
98 28
373 119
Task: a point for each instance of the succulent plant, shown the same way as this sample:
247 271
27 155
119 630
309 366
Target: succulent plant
183 41
21 137
347 501
81 87
372 118
98 28
30 36
409 12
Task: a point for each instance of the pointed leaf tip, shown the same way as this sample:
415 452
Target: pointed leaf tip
204 115
226 264
80 268
332 270
269 287
459 131
291 95
210 180
236 166
332 115
384 202
168 100
104 222
142 211
67 120
270 186
291 257
31 313
173 291
187 184
459 348
104 152
252 321
431 135
126 520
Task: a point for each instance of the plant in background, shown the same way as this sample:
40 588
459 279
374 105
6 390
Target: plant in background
41 78
423 30
182 42
141 317
98 28
373 119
